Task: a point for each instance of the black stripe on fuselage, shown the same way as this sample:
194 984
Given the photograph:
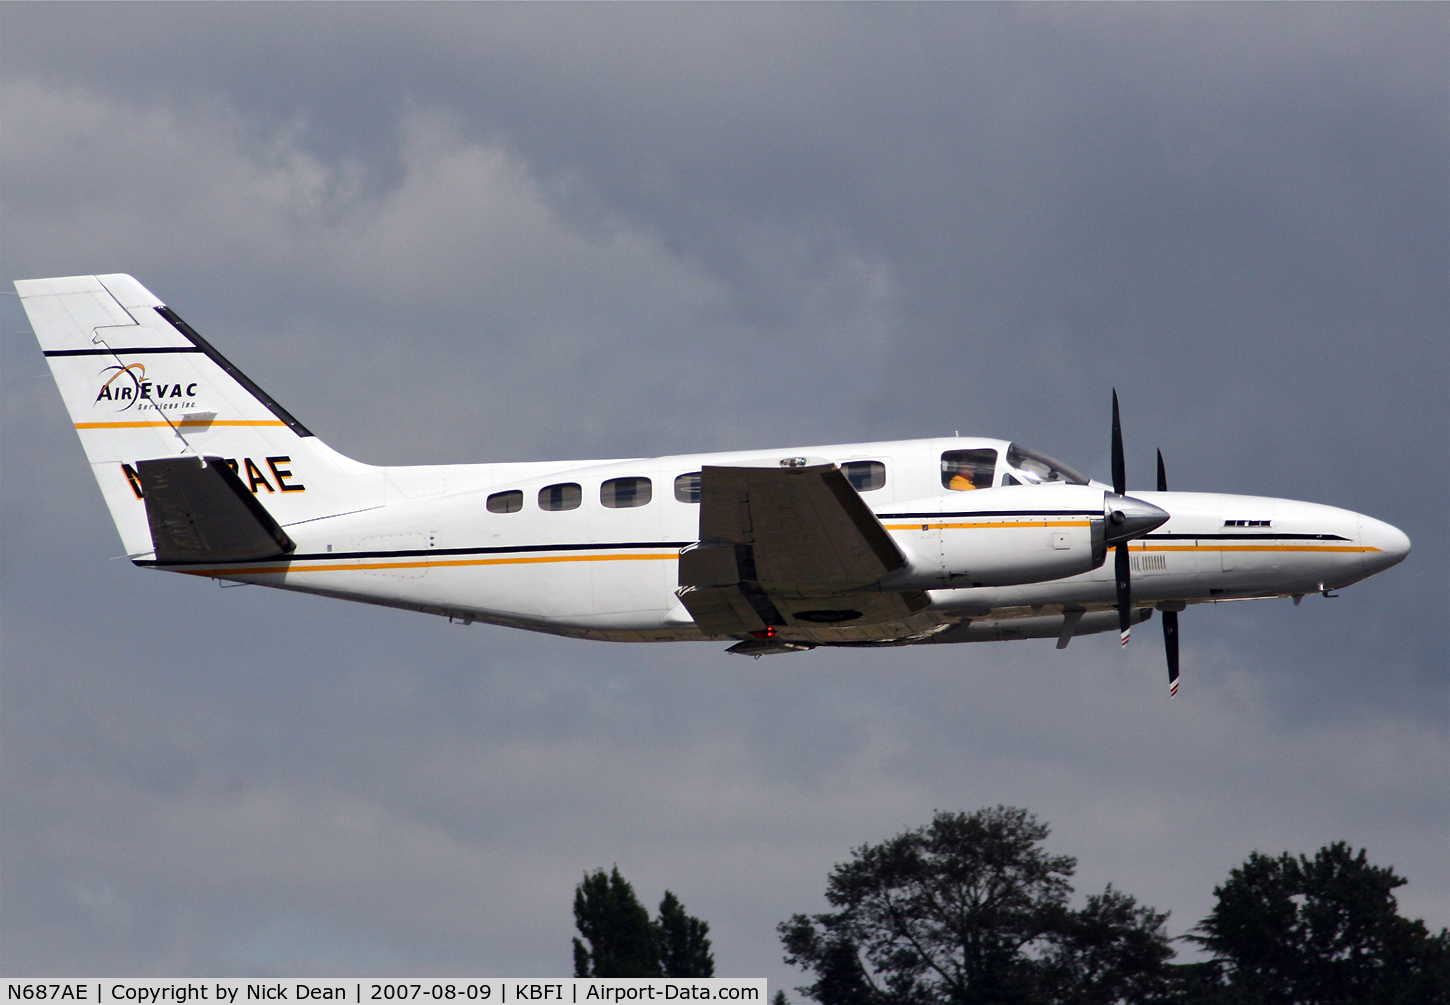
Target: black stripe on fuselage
1241 537
138 350
991 512
432 552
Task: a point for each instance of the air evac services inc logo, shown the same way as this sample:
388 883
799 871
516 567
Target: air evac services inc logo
128 387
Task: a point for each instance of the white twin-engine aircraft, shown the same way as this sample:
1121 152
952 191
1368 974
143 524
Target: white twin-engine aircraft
862 544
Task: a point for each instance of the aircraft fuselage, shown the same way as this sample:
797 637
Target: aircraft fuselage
998 562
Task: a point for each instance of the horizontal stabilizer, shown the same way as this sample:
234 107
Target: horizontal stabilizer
200 511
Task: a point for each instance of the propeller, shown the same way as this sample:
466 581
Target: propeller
1125 519
1120 558
1170 618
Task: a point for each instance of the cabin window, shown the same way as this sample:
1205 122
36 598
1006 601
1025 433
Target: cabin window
566 495
506 502
1038 469
687 487
865 476
625 493
964 470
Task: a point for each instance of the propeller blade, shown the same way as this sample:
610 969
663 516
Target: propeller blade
1120 558
1125 602
1170 647
1170 618
1120 472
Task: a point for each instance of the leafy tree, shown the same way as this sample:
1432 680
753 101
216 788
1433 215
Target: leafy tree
833 957
1197 984
683 941
971 909
624 942
1322 931
1110 951
617 927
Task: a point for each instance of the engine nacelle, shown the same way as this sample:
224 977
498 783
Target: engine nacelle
1002 536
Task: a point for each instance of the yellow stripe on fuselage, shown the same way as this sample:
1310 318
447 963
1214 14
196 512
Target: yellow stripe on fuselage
1138 546
299 565
1134 545
441 563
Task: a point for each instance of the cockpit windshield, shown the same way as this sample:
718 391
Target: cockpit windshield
1028 467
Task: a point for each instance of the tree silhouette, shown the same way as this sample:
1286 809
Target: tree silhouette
1325 931
624 942
683 941
1110 951
617 928
972 909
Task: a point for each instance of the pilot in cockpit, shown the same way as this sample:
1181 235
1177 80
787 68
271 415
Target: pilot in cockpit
965 470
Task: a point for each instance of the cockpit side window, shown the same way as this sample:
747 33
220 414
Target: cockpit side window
964 470
1032 468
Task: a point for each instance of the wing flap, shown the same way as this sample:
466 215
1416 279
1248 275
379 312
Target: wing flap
722 610
807 527
199 511
795 552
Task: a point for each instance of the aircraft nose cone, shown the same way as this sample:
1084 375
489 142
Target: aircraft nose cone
1125 518
1390 543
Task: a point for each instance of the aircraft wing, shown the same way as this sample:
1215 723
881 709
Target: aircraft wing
797 553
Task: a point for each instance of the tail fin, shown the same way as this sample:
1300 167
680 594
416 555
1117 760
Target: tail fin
141 385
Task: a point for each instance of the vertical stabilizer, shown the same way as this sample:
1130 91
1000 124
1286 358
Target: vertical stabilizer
141 385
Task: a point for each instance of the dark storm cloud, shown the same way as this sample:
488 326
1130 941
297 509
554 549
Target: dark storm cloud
1048 191
468 233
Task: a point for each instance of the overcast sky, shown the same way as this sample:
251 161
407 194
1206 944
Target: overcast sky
472 233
